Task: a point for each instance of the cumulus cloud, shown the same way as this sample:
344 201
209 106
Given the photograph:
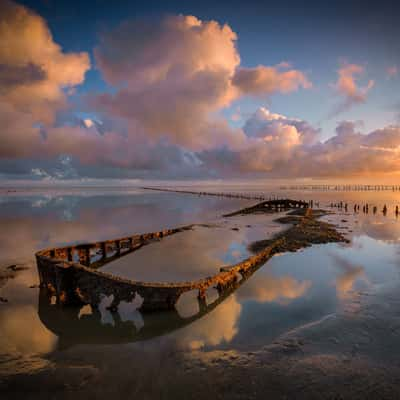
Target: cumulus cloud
174 76
271 142
113 149
270 126
171 76
346 86
352 153
34 76
286 147
33 69
170 80
266 80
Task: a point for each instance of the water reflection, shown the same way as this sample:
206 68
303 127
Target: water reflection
96 218
291 290
387 231
194 254
15 322
268 288
72 326
350 275
216 328
208 323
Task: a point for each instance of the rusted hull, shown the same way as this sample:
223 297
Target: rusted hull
72 274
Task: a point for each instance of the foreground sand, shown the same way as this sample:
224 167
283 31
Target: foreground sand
351 355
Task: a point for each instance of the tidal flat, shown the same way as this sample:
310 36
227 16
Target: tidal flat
319 322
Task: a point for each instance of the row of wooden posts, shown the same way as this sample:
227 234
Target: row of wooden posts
243 196
341 205
365 208
342 188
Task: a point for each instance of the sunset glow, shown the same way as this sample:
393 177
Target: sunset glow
193 95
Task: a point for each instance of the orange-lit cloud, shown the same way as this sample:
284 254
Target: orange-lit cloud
347 87
288 147
34 75
34 72
267 80
171 80
174 76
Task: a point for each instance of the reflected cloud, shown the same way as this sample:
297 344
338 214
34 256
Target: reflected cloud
268 288
186 256
28 227
93 218
387 231
191 254
14 336
220 326
350 274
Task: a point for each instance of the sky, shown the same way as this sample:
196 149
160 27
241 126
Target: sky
101 90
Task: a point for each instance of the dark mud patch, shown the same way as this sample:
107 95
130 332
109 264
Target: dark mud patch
5 276
305 231
7 273
17 267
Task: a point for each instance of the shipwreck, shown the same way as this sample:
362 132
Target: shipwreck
73 275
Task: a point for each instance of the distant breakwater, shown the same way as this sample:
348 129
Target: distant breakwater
342 188
345 206
244 196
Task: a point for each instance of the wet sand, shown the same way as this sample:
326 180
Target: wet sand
349 355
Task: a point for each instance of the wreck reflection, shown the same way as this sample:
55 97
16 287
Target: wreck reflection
73 327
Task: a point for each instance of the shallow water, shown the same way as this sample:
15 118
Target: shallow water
290 291
197 253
